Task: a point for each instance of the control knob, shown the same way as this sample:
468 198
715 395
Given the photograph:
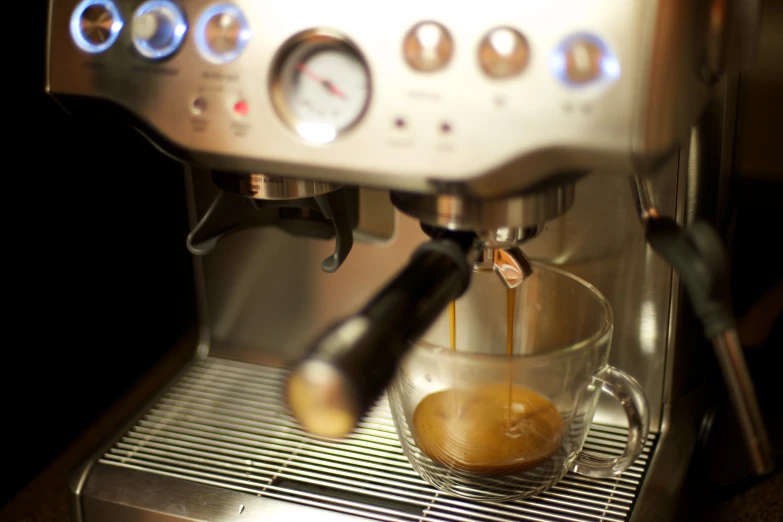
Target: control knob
159 28
584 59
503 53
222 33
428 46
95 25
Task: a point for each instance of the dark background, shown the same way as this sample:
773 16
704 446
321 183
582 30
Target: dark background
99 282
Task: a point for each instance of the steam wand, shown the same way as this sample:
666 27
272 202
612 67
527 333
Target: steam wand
700 259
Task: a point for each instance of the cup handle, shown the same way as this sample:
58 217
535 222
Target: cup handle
630 395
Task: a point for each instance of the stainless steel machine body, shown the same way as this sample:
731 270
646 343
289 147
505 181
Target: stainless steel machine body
419 130
217 444
221 434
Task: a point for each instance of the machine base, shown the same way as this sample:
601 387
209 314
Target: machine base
219 445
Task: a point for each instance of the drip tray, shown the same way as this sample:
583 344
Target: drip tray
223 424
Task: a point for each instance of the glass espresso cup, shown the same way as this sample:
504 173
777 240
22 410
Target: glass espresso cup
482 424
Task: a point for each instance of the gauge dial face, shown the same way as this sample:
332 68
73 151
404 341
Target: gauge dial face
321 87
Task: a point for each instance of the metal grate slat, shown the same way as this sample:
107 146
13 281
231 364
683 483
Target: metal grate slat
224 424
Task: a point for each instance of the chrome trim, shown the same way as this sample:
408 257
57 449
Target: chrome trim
76 480
263 186
743 397
532 209
319 38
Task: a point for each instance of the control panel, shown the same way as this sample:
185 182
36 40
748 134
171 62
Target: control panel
495 98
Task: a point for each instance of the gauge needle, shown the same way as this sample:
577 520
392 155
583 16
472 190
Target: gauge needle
326 83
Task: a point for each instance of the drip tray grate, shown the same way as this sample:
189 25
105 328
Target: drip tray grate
223 423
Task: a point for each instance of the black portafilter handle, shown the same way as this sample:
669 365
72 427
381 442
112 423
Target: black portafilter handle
353 362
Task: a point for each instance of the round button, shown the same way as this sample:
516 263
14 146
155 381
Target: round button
222 33
159 28
584 59
198 106
95 25
428 46
503 53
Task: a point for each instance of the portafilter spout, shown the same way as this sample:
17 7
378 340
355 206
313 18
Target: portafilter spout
511 265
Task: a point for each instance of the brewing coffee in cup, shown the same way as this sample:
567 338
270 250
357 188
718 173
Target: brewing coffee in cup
487 430
483 424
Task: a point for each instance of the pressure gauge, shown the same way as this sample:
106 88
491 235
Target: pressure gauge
320 86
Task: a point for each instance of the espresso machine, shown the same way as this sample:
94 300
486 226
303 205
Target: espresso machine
347 166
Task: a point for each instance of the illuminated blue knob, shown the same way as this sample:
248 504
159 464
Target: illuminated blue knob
584 59
95 25
159 28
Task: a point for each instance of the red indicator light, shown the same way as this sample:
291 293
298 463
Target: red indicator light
241 108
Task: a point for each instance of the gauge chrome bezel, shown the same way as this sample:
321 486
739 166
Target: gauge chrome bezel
319 40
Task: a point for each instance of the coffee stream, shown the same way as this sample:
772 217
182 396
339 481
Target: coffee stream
512 297
453 323
490 428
